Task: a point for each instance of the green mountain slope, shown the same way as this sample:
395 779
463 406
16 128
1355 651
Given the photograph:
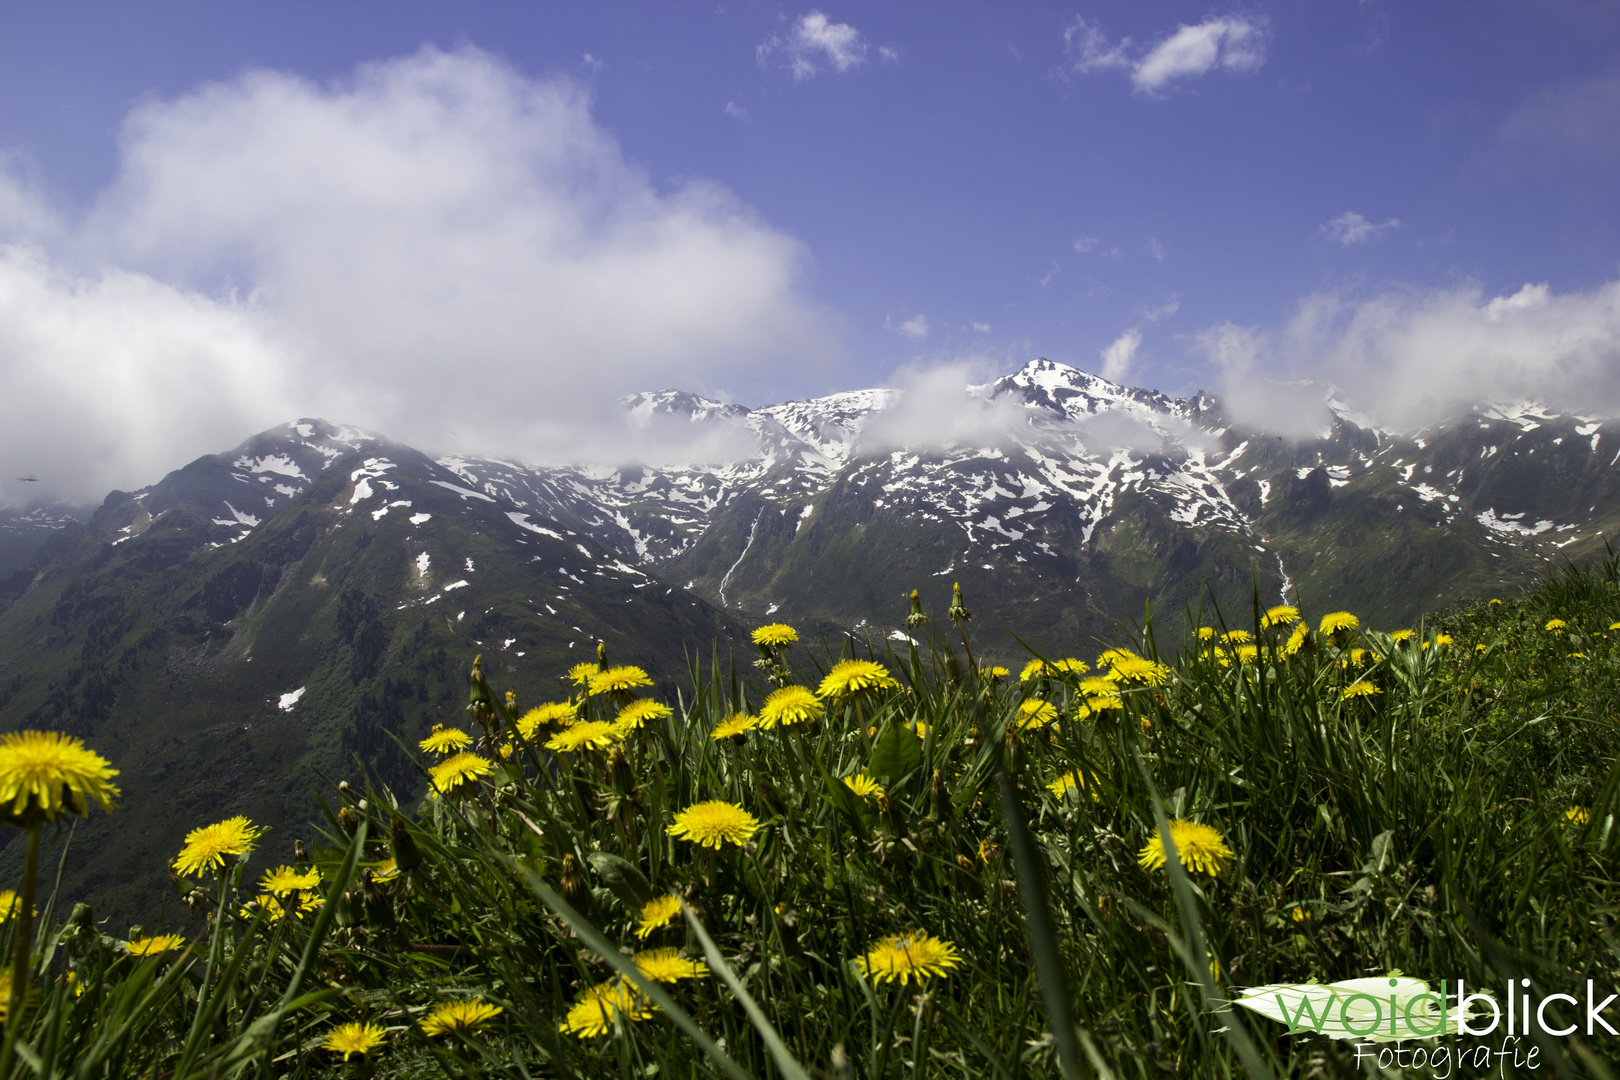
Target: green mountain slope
219 668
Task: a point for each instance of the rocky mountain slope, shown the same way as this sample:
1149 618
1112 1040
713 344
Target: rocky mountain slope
289 605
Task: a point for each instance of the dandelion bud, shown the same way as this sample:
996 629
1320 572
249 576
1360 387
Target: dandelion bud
965 863
573 885
407 856
300 855
601 655
958 611
347 818
916 617
511 699
939 797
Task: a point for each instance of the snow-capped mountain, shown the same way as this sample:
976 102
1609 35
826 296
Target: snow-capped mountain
1091 499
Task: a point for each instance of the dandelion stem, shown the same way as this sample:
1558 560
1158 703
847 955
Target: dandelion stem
23 931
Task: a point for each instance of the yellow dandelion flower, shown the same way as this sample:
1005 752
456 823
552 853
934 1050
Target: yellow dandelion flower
1206 633
1297 639
452 772
601 1006
1098 686
1110 657
1139 669
211 845
639 712
1036 669
712 823
1401 635
864 786
1556 624
988 851
385 871
271 906
920 729
349 1039
734 725
594 735
1035 713
775 635
1300 915
1237 637
582 673
1101 702
789 705
1198 847
1360 688
1070 666
1577 656
1077 780
284 879
442 740
1577 815
8 905
1247 654
153 946
46 773
852 676
908 956
657 912
1442 639
561 713
1338 621
994 671
668 965
618 680
1281 615
459 1016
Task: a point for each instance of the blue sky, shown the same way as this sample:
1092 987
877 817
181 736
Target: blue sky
336 208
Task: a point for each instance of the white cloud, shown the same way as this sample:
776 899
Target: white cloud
1046 278
814 41
436 244
914 327
593 63
1351 228
1413 357
981 327
1083 244
1229 43
1119 354
735 110
1155 249
938 407
1163 311
888 54
1089 50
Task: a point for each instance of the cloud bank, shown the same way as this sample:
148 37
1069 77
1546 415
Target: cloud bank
437 247
1413 357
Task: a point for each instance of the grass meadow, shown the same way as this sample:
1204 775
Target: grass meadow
902 860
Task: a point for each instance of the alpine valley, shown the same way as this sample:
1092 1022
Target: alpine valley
318 591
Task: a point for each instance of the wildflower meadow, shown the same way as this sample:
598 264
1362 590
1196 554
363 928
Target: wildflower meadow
883 859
